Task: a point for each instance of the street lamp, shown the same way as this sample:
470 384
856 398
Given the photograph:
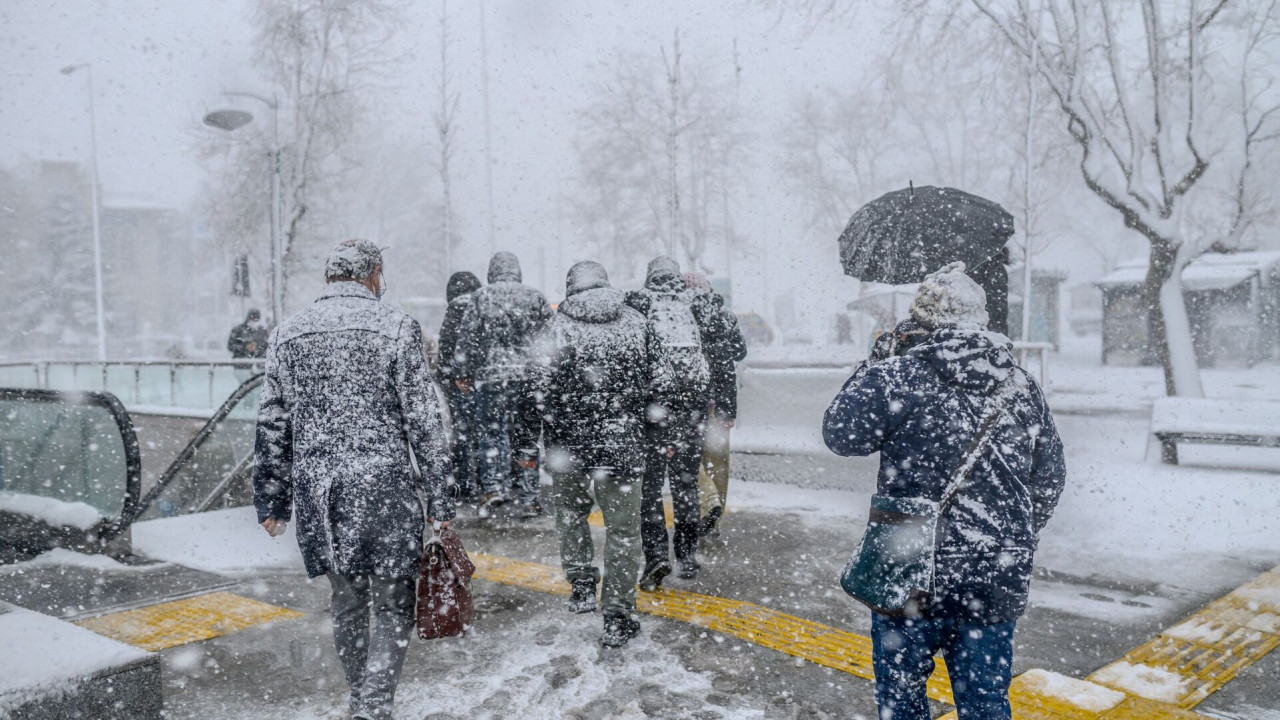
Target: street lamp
93 190
231 120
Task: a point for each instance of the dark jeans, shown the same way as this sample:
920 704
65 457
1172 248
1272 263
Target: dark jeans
979 658
503 420
372 662
466 455
673 451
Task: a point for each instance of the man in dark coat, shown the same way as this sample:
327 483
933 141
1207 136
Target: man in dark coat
347 395
920 411
596 384
498 330
725 348
680 328
249 338
466 459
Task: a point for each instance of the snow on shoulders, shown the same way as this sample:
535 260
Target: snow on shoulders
54 512
41 655
1081 693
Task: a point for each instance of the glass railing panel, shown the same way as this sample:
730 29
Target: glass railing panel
19 376
71 454
153 385
122 382
191 387
62 376
88 377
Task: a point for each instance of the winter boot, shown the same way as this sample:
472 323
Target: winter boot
618 629
531 511
490 503
689 567
709 527
654 572
583 599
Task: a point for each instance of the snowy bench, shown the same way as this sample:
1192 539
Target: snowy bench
1251 423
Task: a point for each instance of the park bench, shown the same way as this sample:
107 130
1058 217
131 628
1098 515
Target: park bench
1252 423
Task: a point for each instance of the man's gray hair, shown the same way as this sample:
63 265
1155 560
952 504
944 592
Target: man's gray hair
352 260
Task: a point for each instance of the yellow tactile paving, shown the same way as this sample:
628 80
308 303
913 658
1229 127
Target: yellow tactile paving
1208 649
189 620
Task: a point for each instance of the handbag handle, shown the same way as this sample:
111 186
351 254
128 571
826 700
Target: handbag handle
970 458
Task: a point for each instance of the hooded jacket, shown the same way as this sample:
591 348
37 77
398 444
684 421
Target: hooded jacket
458 293
345 396
499 325
664 281
920 412
596 376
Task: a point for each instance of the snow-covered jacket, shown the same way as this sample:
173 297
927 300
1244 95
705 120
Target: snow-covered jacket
725 349
920 411
461 286
346 394
596 378
500 324
664 284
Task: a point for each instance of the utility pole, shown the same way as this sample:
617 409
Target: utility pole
488 130
1028 168
93 195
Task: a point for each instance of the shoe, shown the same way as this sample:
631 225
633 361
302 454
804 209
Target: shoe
531 511
618 629
583 599
707 527
689 568
491 502
654 572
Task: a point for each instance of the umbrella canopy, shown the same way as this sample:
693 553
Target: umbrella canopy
904 235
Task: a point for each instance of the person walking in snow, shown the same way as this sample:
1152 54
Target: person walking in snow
347 396
466 459
725 348
498 329
248 340
596 383
921 411
679 325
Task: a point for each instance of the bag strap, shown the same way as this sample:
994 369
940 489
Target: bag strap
991 415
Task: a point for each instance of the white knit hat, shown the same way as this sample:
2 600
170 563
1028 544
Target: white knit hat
949 297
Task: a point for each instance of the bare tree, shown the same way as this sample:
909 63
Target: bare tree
326 60
657 149
1141 92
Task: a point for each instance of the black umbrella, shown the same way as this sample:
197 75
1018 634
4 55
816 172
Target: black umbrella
904 235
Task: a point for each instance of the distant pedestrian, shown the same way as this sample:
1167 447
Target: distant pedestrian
679 379
725 348
347 395
466 459
248 340
596 383
921 411
498 329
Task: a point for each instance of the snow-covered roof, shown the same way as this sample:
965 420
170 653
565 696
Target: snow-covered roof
1212 271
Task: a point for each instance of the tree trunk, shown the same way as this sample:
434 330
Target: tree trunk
1171 337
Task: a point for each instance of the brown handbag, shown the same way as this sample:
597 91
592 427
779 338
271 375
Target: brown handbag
444 587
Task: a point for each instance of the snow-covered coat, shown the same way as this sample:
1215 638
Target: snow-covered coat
596 376
920 411
458 293
725 349
664 282
347 392
500 325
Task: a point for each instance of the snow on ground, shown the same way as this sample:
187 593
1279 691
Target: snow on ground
221 541
1152 683
1081 693
41 655
54 512
64 557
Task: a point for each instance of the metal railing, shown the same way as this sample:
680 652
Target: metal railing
199 386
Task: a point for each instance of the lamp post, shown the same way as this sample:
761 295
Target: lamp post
231 120
93 193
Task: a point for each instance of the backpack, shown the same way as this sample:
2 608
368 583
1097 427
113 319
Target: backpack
679 365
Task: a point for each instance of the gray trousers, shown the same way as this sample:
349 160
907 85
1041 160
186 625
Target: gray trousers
372 662
617 491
